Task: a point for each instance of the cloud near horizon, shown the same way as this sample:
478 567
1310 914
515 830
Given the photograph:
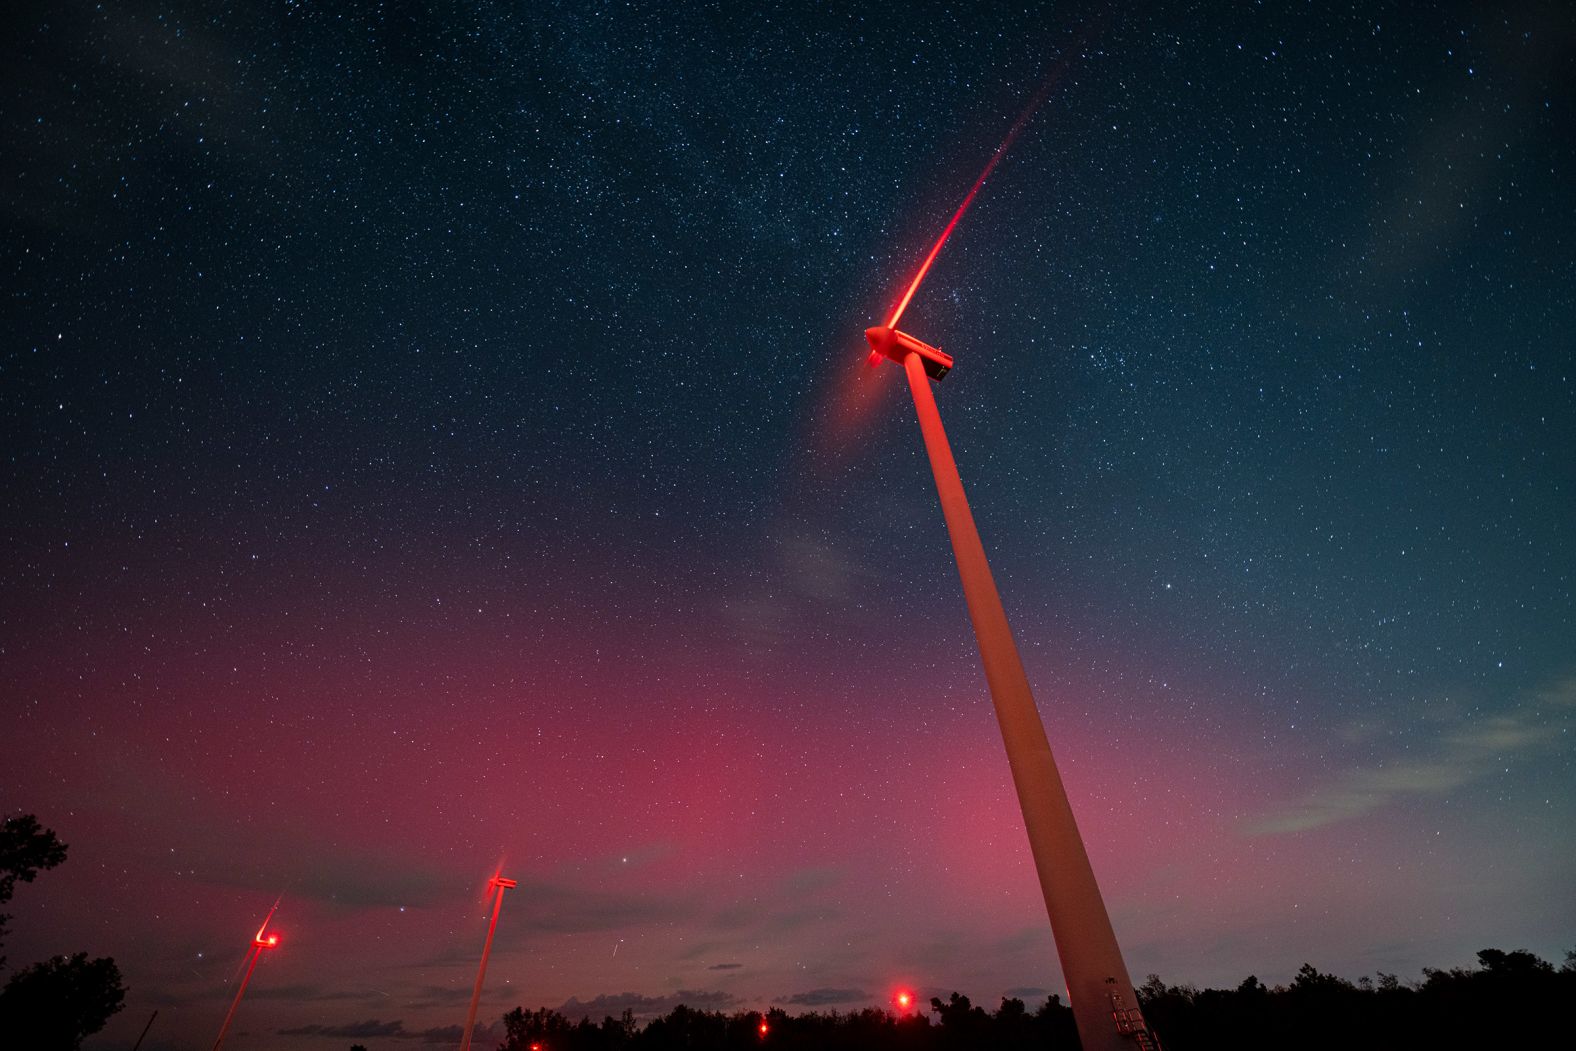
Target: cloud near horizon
394 1030
1470 749
352 1031
826 997
614 1004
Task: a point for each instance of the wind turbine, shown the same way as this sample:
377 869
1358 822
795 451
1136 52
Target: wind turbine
501 885
254 952
1103 1002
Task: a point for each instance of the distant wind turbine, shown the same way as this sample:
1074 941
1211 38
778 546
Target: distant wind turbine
254 952
501 885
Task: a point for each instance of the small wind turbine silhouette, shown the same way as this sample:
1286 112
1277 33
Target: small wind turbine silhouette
501 885
260 941
1103 1002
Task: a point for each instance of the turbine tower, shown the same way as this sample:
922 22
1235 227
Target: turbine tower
260 941
476 994
1103 1002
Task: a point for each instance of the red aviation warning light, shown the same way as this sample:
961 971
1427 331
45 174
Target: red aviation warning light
904 999
888 342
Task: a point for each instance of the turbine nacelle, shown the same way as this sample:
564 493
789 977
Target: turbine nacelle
888 342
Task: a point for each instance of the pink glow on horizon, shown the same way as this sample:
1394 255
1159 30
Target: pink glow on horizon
838 825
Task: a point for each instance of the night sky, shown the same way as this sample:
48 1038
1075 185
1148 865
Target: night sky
438 436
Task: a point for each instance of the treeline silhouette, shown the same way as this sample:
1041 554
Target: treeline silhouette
51 1005
1511 999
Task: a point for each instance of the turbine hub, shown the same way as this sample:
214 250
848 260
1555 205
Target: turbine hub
890 343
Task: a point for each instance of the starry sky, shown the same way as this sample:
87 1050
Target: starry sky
437 437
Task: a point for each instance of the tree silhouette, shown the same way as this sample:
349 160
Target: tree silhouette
26 848
1511 999
49 1006
523 1028
962 1024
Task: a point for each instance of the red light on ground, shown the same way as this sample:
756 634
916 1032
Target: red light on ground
764 1028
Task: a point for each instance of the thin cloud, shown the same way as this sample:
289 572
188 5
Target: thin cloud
614 1004
352 1031
565 909
1470 749
811 579
436 995
1027 992
825 997
301 991
395 1030
450 1034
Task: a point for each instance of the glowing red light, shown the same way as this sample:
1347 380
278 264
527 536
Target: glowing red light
905 999
763 1028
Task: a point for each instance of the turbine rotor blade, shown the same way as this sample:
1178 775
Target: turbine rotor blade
990 166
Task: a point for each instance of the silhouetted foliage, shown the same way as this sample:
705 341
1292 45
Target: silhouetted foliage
696 1030
51 1006
962 1024
959 1025
26 848
1511 999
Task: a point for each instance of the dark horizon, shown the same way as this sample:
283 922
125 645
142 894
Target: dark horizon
438 440
1471 1007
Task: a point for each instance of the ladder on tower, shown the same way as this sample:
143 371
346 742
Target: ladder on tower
1130 1023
